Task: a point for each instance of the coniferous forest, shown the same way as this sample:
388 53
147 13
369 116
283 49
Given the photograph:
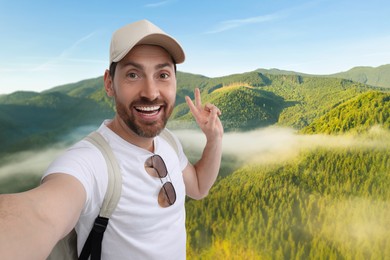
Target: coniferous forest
328 204
321 191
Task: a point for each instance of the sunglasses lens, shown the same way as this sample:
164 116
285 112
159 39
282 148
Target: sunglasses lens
155 166
167 195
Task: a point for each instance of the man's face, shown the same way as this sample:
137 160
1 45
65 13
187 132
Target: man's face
145 89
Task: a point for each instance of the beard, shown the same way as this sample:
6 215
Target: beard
143 129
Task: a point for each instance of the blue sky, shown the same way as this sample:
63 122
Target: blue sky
48 43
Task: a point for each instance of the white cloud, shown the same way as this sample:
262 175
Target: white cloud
64 55
232 24
158 4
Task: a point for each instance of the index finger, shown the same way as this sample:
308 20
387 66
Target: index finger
190 104
198 101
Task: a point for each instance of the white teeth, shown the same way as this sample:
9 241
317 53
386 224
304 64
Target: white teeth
148 109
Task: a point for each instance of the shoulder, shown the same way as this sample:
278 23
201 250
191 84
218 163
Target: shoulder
82 155
86 163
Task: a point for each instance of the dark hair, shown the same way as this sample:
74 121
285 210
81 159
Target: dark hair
112 69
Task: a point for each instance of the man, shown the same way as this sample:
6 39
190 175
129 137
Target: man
142 81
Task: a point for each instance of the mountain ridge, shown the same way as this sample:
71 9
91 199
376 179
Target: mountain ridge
248 100
375 76
362 74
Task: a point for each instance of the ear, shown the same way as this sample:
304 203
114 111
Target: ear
108 84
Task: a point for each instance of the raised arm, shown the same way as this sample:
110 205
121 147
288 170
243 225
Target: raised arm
32 222
200 177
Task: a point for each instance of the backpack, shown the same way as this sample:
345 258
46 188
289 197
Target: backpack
66 248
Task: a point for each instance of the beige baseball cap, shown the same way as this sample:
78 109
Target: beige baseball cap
143 32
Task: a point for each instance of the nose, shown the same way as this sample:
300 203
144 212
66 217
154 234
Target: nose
150 89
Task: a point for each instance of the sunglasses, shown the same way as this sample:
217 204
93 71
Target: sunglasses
155 167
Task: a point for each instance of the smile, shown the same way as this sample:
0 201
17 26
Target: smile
148 109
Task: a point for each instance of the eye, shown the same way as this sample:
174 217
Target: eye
164 75
132 75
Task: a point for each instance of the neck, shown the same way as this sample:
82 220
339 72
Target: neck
120 128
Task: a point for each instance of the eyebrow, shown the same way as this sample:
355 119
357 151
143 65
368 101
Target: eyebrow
141 67
163 65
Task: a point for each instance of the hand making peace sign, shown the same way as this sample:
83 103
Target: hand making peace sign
207 117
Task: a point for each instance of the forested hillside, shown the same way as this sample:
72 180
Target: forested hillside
244 107
328 204
373 76
309 98
358 114
32 120
256 100
379 76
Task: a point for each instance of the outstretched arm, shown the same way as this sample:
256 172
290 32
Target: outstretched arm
32 222
200 177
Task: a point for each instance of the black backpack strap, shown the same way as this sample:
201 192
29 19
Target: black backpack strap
93 245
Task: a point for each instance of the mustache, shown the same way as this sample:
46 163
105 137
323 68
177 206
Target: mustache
143 101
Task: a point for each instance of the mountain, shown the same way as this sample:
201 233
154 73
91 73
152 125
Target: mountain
378 76
30 120
247 101
243 106
373 76
91 89
275 71
296 100
358 114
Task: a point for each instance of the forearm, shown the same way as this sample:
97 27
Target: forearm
208 166
32 222
23 235
200 177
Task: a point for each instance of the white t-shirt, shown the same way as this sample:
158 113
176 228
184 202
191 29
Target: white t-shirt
139 228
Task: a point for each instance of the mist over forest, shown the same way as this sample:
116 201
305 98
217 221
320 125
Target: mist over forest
269 145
